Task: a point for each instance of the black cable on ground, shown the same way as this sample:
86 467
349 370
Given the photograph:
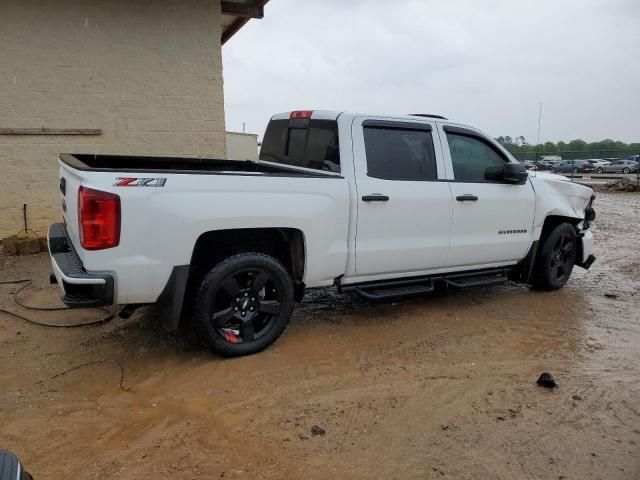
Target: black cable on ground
27 282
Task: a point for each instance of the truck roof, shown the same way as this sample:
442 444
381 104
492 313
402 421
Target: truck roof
334 114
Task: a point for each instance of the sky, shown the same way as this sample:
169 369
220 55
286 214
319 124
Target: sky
486 63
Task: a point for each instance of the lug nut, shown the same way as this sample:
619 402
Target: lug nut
251 309
246 294
244 313
253 299
236 309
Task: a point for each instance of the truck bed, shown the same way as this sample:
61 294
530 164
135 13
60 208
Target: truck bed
140 164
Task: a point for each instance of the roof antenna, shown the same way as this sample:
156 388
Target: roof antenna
538 142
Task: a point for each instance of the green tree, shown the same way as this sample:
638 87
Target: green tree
550 148
575 149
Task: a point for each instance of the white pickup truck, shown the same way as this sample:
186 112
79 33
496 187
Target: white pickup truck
382 205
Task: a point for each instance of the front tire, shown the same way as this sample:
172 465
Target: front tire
556 258
243 304
626 170
599 170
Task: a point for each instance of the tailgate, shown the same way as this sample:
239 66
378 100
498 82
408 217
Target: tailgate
70 181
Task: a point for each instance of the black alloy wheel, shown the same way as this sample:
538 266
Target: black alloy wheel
244 304
563 258
556 258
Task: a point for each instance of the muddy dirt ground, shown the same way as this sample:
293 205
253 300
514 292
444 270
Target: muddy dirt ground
433 387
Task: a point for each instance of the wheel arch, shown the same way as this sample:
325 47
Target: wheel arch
524 270
552 221
287 245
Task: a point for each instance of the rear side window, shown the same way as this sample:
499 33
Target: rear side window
302 143
399 153
474 161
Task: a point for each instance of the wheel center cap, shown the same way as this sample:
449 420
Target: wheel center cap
245 303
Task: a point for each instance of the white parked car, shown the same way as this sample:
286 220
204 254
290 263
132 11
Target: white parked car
384 206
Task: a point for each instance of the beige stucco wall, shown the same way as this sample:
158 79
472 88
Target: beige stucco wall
146 72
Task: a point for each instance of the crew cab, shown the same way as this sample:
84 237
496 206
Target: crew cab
384 206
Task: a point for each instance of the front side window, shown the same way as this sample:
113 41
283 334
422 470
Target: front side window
474 161
399 153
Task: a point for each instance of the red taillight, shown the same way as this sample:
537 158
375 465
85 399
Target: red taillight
99 219
304 114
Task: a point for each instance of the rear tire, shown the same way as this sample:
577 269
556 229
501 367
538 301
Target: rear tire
243 304
556 258
599 170
626 170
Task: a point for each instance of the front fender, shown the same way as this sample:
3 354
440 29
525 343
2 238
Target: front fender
558 196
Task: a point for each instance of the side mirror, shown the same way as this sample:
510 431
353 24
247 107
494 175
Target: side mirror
515 173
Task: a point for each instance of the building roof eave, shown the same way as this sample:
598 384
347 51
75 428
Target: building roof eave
236 14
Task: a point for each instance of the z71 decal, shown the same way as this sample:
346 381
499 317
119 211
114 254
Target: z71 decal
140 182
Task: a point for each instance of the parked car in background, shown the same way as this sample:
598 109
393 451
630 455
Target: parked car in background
544 165
575 166
622 166
538 165
598 165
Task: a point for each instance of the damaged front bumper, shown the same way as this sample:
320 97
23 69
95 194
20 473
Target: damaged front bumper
587 257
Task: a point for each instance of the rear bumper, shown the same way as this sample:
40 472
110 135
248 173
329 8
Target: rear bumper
80 288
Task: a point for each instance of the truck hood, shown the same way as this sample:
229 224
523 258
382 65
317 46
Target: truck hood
558 195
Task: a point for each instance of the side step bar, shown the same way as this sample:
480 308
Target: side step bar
477 279
390 289
377 292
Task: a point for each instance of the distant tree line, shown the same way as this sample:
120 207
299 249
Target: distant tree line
575 149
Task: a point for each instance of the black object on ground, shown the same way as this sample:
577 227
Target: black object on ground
317 431
11 468
546 380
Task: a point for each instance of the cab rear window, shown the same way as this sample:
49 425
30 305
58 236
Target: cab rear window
302 143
